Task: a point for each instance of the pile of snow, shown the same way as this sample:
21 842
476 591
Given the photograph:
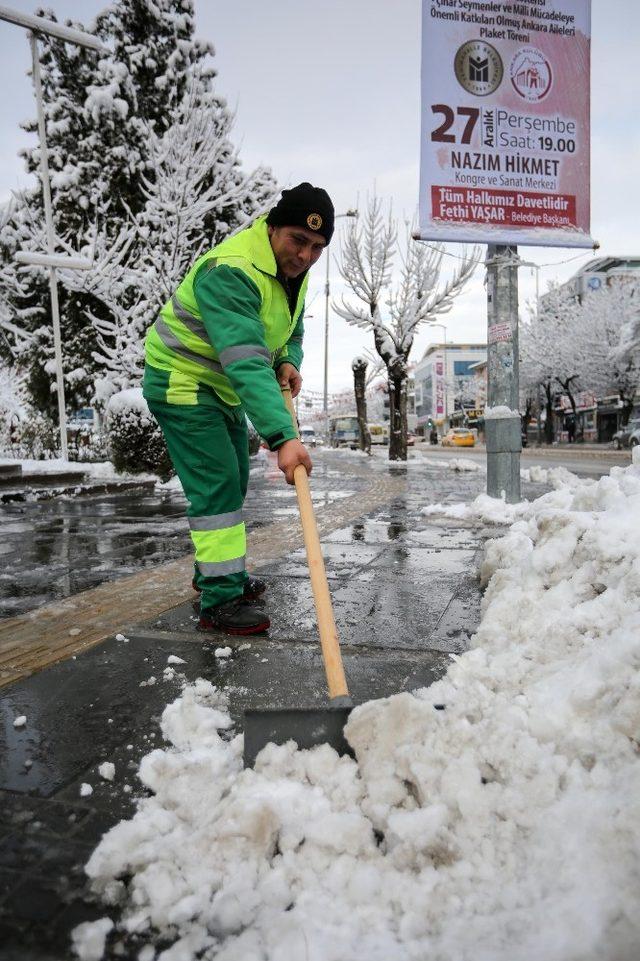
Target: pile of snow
462 465
494 816
96 470
489 510
501 412
555 477
483 510
128 400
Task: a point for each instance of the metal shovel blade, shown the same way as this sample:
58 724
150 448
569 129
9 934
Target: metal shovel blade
308 727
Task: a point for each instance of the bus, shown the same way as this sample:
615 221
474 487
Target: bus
344 431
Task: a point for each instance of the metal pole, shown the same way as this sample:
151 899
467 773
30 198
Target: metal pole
539 431
48 214
539 416
446 385
503 433
325 406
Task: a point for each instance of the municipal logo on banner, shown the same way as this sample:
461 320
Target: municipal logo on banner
531 74
478 68
505 122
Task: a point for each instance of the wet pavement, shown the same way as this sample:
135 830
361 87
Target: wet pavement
406 597
56 548
59 547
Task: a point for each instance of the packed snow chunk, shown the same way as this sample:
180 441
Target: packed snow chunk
90 937
85 790
121 637
107 770
20 721
483 510
500 412
493 816
174 659
223 652
536 474
462 465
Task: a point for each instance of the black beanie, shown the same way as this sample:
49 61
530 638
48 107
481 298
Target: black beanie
304 206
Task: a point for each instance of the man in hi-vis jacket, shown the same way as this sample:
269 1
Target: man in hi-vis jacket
222 346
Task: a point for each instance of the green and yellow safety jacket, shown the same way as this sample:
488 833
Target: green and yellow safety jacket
226 329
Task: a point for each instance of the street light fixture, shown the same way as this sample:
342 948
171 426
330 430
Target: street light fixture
444 332
37 26
325 404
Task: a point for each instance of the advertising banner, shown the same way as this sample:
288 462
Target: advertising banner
505 122
439 385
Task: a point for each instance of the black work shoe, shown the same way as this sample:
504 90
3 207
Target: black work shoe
234 617
253 588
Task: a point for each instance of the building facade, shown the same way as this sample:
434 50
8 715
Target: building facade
602 272
445 384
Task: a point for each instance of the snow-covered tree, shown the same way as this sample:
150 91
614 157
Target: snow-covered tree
548 354
359 367
571 346
395 309
114 124
463 391
606 318
197 191
628 348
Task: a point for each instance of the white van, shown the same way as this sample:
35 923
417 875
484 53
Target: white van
308 436
379 433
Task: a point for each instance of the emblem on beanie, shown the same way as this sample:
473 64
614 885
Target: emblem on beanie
314 221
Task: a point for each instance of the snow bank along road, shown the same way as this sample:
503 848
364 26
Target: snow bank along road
583 461
493 816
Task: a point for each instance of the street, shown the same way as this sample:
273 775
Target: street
583 461
57 548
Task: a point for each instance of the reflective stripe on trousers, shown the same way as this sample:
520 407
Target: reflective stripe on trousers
220 543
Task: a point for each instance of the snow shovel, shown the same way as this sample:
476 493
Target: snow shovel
308 727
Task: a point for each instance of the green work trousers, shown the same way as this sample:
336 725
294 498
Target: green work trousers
208 445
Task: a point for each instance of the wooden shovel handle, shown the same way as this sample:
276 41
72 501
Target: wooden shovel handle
329 642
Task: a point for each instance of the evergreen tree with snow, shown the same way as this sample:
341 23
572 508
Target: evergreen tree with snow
120 195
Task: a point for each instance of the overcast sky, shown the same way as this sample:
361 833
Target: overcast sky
330 92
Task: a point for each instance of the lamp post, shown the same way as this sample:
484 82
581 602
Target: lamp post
325 403
444 334
51 260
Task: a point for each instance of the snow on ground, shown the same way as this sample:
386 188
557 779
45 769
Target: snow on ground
101 470
494 816
490 510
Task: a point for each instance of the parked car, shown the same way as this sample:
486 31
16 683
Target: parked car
634 437
622 437
458 437
308 436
